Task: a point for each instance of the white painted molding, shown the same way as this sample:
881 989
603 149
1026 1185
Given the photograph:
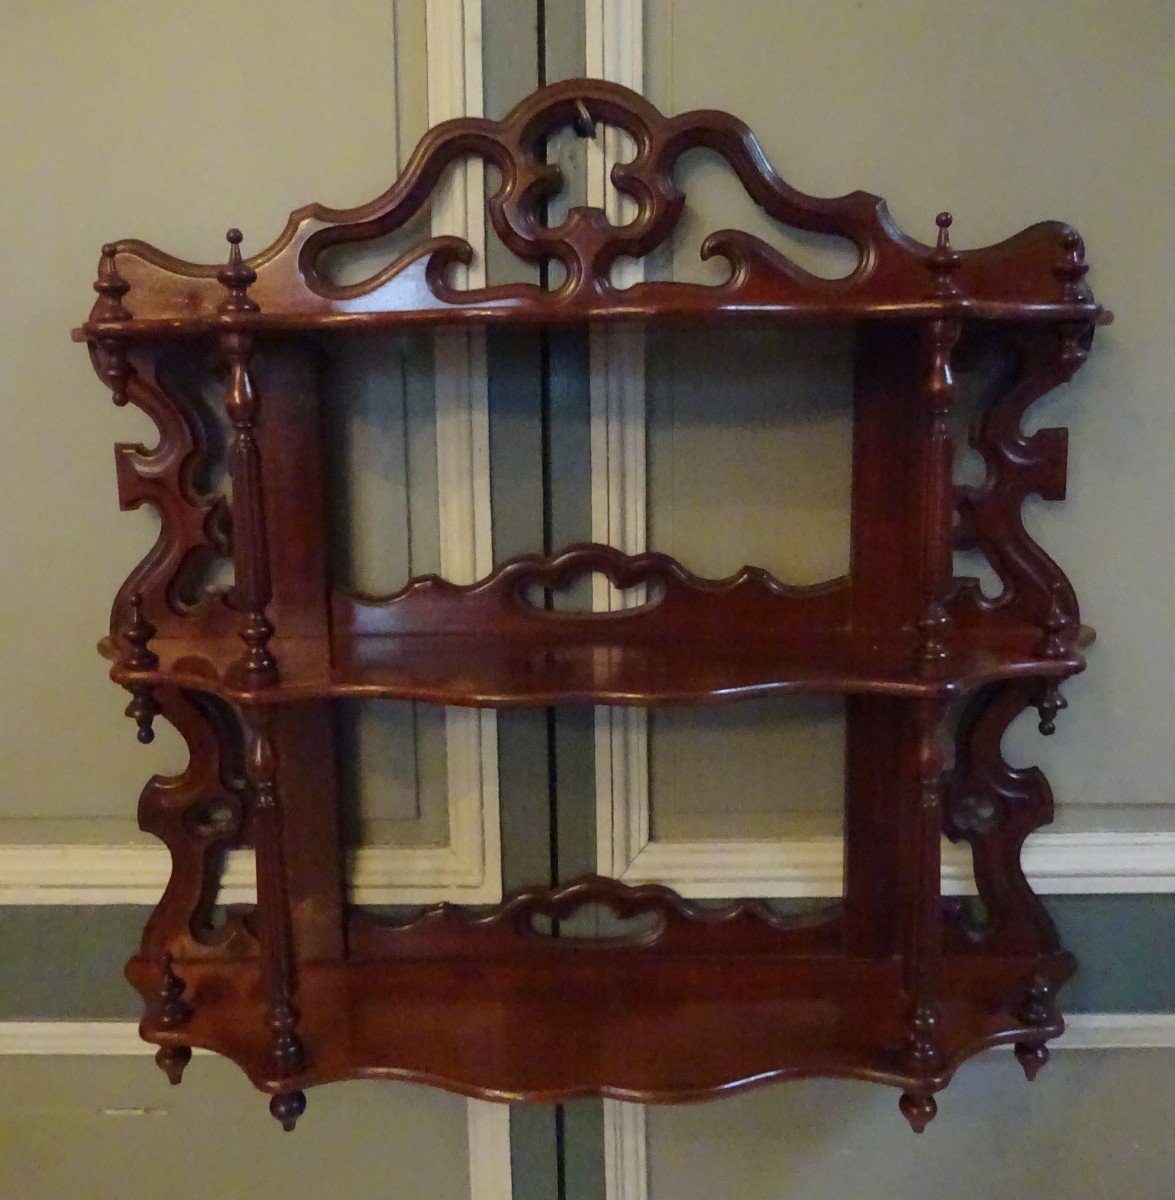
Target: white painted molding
626 1166
137 874
614 45
455 88
614 51
1056 864
1095 862
490 1176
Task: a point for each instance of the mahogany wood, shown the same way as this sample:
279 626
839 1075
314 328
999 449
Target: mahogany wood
892 983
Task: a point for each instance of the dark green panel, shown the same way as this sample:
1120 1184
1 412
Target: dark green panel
1125 946
66 963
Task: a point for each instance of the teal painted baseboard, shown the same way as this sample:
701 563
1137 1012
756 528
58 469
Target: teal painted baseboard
66 963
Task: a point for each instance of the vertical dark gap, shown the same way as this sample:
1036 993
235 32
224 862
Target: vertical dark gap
548 524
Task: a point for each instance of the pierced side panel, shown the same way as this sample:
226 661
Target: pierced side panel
194 526
994 807
1018 465
199 815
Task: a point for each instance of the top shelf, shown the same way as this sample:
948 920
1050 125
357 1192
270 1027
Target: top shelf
144 293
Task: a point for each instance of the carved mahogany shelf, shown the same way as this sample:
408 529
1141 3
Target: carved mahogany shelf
892 982
582 667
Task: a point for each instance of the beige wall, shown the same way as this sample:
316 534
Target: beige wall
1005 114
168 121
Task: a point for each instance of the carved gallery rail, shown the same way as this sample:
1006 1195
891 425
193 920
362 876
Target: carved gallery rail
892 983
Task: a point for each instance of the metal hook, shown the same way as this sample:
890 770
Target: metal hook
585 126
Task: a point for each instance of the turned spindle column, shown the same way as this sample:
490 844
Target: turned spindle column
273 907
252 587
143 707
922 914
937 395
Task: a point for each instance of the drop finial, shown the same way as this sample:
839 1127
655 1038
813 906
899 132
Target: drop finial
237 277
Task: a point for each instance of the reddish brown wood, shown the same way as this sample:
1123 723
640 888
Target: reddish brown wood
1035 274
891 984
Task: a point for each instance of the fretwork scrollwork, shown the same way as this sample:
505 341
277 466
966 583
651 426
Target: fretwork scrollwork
192 525
994 807
1019 465
198 814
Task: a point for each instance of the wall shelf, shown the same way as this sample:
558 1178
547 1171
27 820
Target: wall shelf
894 983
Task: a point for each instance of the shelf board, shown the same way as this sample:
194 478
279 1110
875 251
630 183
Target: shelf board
612 1021
461 669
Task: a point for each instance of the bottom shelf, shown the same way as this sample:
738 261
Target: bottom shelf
609 1021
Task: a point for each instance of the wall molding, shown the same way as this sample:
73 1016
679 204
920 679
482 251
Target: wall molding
1056 863
1100 862
469 869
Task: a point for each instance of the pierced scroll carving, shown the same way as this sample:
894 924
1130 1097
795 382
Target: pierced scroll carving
175 809
682 601
994 807
676 925
1019 465
1044 263
192 525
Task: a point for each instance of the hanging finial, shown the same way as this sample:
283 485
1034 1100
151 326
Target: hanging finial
237 276
172 1011
1071 268
943 260
1048 703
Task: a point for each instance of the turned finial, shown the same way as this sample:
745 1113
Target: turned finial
136 635
1056 642
1071 268
237 277
286 1108
918 1110
111 287
173 1010
943 260
143 709
1048 703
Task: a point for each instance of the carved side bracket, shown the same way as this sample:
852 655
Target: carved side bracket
192 525
1020 465
198 815
994 807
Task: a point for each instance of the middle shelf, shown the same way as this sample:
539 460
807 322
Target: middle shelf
597 667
